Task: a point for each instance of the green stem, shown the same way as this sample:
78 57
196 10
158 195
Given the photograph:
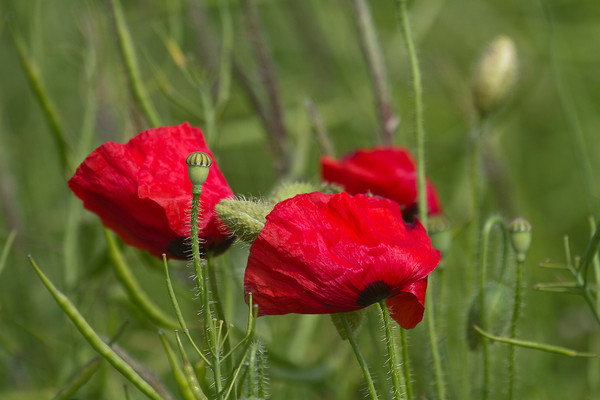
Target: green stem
6 249
188 370
35 80
202 283
487 229
406 363
565 97
513 330
360 358
127 51
214 288
418 100
536 346
475 184
421 182
132 287
374 58
93 339
180 378
399 387
277 127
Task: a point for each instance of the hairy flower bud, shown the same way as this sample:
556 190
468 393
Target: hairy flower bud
495 75
287 190
245 218
520 236
496 316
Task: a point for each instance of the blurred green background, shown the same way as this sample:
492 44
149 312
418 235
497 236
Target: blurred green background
533 169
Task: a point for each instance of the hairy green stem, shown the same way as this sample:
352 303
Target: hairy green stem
421 183
93 339
202 283
513 329
399 386
360 358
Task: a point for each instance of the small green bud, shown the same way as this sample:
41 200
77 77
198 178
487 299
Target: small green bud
245 218
287 190
198 167
354 318
495 75
440 234
497 313
520 236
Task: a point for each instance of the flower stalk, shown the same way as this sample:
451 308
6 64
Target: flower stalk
401 383
360 358
421 182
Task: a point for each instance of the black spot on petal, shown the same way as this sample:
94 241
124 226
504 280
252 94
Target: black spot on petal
373 293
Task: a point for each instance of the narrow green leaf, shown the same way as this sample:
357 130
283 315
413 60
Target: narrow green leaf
93 339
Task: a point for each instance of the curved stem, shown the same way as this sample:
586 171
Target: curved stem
393 361
487 229
360 358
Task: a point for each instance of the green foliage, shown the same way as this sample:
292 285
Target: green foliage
65 89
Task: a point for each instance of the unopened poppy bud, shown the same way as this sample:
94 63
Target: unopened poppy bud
198 167
496 315
245 218
440 234
520 236
354 318
287 190
495 75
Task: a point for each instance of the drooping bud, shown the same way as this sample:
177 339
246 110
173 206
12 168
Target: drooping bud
439 232
520 237
495 75
245 218
354 318
287 190
496 314
198 168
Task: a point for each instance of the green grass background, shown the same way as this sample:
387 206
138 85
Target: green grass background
530 145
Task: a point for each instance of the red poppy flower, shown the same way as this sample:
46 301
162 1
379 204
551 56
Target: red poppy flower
330 253
141 191
387 172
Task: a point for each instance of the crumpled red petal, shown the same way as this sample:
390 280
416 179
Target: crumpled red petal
324 253
141 190
385 171
408 306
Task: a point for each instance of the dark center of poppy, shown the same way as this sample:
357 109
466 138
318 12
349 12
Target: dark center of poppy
374 292
180 248
409 214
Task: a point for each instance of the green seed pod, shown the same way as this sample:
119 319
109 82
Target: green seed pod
440 234
287 190
520 237
245 218
198 167
354 318
495 75
497 313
